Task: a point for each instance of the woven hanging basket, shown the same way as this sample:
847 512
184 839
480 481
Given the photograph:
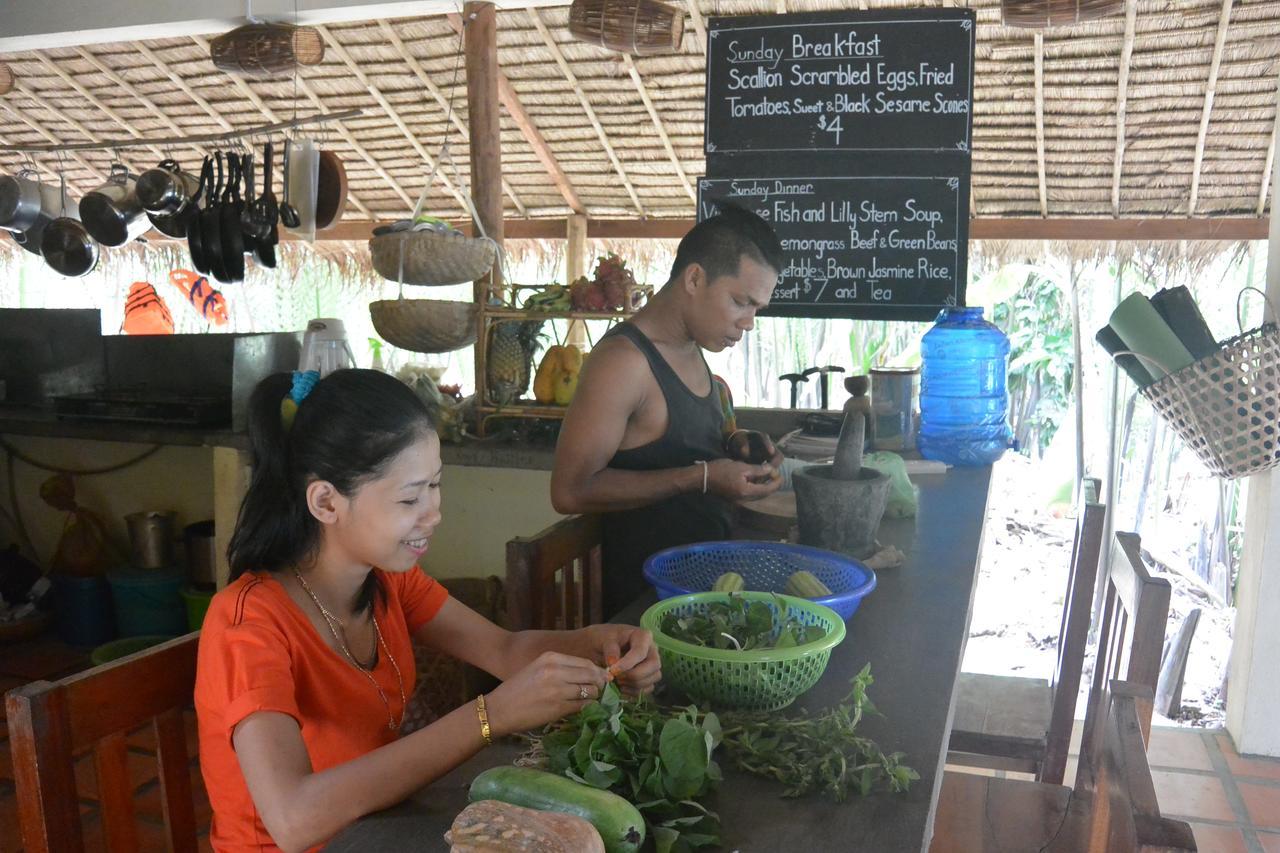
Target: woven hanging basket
1226 406
638 27
263 50
1042 14
6 79
431 259
425 325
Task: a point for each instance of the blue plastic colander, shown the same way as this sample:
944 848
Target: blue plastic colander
764 566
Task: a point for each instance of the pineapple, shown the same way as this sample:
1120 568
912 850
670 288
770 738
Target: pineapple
510 355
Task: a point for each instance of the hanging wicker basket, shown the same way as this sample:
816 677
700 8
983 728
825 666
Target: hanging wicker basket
431 259
1043 14
638 27
1226 406
6 79
425 325
264 50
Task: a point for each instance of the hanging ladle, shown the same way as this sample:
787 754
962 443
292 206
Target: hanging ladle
288 213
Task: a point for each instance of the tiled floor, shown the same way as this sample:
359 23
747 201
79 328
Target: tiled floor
1231 802
49 659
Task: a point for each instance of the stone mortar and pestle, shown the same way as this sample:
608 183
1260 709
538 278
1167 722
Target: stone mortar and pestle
839 506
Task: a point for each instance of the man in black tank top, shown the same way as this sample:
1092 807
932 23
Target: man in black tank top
642 442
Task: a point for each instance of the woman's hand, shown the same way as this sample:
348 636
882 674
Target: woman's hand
553 686
630 655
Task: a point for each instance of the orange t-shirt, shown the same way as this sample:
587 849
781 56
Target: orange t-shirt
259 652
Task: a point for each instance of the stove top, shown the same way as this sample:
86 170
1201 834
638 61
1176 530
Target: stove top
140 406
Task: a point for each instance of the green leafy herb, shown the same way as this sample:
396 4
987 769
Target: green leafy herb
816 754
660 760
738 624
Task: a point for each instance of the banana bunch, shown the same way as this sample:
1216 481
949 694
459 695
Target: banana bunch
553 297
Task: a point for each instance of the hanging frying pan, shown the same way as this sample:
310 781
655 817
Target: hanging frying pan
195 234
267 211
211 226
232 237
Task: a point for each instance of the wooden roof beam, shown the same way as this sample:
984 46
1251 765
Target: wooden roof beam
699 24
630 65
1039 63
450 114
20 116
511 100
1271 157
572 78
394 115
1224 22
257 101
1122 97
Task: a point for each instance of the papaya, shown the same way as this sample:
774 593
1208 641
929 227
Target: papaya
544 381
566 386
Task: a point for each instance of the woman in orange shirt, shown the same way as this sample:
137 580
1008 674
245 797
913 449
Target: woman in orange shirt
305 661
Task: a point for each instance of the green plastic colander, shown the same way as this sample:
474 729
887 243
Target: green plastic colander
757 680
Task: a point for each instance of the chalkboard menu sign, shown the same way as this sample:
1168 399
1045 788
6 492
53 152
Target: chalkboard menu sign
889 246
898 80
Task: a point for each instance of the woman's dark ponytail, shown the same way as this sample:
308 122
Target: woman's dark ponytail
346 431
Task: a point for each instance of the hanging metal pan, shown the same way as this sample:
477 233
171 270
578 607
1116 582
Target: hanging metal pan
211 226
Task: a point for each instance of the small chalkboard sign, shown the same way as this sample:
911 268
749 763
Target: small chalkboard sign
886 245
899 80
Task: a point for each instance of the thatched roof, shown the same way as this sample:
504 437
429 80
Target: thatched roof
622 160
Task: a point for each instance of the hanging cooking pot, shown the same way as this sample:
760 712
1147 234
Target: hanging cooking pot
232 236
54 202
23 199
112 213
165 192
191 216
68 248
211 227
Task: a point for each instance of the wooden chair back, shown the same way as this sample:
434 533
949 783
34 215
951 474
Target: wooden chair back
1073 634
554 577
50 723
1130 639
1125 817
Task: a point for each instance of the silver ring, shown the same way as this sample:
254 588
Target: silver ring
582 692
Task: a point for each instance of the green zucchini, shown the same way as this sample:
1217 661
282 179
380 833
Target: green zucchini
729 582
803 584
618 822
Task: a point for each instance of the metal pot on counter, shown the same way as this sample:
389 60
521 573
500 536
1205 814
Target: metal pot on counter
112 213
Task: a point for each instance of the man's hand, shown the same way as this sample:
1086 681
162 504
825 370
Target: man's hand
753 447
738 481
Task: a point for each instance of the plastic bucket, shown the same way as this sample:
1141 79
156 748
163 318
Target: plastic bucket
124 647
149 602
197 602
82 610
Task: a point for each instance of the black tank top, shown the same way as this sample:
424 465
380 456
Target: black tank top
694 431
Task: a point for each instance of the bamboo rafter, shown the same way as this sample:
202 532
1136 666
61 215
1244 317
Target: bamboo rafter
1040 168
1122 94
634 72
1210 90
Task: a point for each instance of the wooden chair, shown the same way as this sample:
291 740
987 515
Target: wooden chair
1130 638
554 577
1024 724
1110 810
52 723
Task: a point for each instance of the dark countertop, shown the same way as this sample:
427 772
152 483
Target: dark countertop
912 630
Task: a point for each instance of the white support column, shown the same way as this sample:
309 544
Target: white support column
1253 690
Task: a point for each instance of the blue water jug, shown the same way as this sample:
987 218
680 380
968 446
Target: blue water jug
964 403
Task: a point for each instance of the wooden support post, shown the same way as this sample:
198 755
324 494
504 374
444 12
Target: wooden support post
480 36
576 266
231 469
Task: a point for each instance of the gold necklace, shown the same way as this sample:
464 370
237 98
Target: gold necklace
340 636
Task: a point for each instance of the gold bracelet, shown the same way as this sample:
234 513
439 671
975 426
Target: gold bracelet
484 720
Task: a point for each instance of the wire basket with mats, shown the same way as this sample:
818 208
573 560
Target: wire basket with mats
429 258
764 566
1226 406
639 27
425 325
756 680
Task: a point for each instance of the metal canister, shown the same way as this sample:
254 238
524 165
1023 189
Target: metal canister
893 407
151 538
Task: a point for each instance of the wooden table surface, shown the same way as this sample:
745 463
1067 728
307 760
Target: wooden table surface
912 629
